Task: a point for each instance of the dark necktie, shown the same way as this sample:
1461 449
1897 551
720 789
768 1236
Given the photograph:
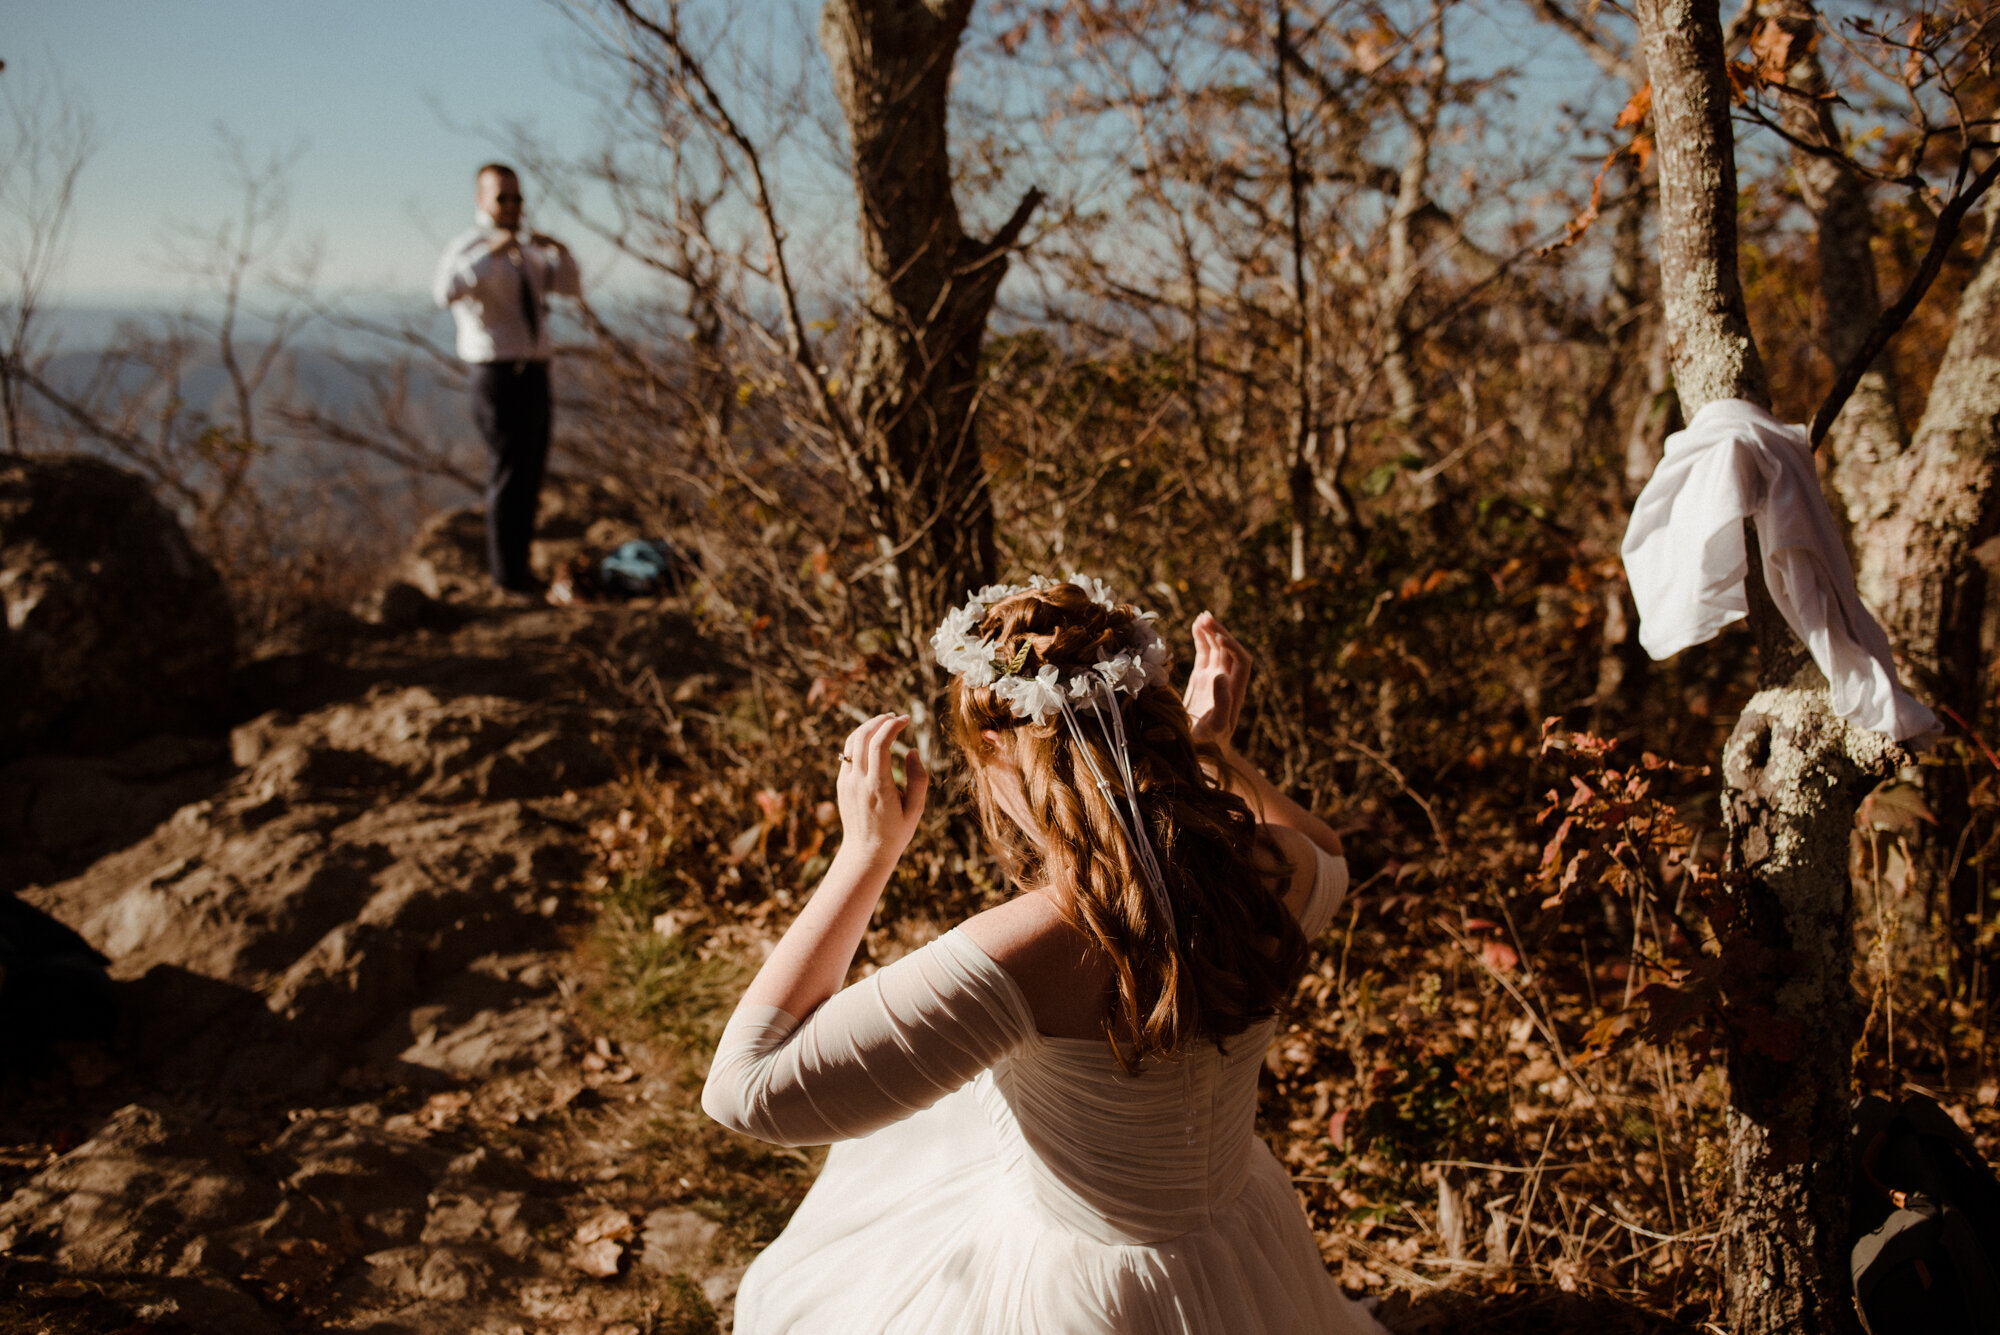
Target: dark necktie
528 311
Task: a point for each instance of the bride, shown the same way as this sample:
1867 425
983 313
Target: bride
1043 1121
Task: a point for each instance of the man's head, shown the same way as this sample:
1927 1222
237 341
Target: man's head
500 195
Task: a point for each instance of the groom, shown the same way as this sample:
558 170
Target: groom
497 283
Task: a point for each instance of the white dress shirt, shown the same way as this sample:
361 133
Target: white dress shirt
1685 557
480 279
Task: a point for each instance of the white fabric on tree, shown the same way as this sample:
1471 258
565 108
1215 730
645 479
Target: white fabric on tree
1048 1193
1685 557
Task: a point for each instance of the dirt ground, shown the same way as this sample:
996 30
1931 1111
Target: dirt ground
361 1081
412 1019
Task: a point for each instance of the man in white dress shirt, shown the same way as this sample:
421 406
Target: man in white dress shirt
497 283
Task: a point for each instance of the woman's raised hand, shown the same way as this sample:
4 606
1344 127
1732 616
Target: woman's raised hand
877 819
1220 681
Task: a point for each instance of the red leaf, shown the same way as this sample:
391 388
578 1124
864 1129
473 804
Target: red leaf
1637 109
1669 1009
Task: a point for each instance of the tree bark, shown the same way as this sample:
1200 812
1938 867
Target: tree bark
1931 506
1708 327
1869 431
1923 514
1793 772
929 291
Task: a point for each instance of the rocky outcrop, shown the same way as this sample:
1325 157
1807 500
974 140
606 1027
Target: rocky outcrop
446 563
115 626
345 1209
342 940
373 861
52 986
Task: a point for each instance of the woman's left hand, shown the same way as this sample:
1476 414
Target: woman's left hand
1218 684
878 819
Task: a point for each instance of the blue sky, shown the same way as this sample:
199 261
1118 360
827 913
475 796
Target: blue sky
386 97
380 92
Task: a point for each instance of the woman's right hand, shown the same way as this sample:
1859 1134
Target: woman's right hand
1219 683
878 819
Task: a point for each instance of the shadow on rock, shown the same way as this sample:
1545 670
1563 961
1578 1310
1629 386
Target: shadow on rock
53 988
60 813
168 1223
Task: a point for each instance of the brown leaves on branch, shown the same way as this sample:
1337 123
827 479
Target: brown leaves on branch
1771 49
1615 833
1619 835
1640 147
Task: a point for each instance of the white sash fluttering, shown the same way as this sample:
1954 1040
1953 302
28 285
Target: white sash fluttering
1685 557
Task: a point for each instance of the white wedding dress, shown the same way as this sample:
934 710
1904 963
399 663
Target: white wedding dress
987 1179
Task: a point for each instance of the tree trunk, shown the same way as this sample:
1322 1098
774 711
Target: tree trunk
1932 505
1869 431
1708 329
1793 775
929 291
1923 514
1793 772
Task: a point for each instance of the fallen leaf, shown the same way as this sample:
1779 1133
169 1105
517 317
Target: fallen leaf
746 843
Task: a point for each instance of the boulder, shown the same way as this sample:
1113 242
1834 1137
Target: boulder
52 986
579 520
149 1193
115 626
333 896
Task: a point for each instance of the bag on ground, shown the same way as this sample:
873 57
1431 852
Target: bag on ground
1925 1218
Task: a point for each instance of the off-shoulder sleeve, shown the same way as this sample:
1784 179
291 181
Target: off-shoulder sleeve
891 1045
1329 889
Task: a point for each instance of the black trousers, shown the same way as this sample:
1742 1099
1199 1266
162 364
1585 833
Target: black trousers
510 408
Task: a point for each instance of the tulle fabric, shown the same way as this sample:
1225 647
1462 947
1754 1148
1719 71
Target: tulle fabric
1051 1195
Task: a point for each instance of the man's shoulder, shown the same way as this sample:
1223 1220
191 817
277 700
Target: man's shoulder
471 238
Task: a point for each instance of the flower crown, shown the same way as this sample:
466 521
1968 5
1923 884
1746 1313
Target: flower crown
980 662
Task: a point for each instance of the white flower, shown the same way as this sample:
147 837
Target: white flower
961 652
1150 648
1124 673
1094 589
1033 698
981 663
